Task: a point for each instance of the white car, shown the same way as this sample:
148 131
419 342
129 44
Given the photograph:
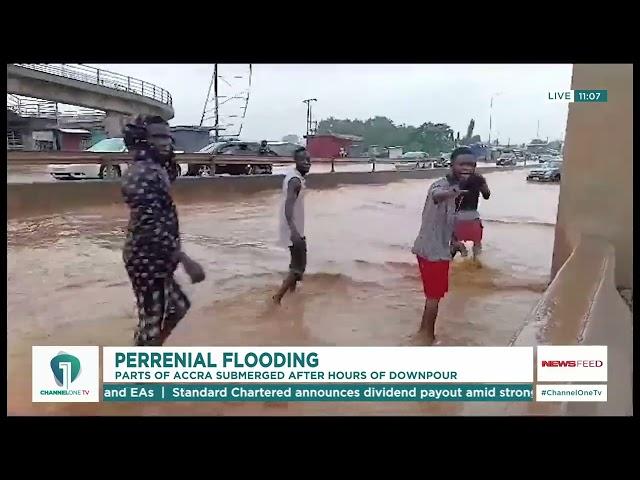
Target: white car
413 161
93 170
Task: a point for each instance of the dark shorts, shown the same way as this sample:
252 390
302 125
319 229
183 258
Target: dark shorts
435 277
298 258
469 230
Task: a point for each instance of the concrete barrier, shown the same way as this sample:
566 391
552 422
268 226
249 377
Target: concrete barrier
28 199
582 306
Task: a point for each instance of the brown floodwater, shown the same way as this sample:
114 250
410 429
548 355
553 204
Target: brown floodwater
67 284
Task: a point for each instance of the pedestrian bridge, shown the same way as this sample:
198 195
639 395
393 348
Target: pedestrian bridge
76 84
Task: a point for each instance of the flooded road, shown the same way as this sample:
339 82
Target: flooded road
67 284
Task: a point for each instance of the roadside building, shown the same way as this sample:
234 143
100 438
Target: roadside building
62 139
328 145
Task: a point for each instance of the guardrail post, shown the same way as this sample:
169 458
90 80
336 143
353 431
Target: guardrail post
98 76
142 88
154 92
213 168
333 165
128 84
373 169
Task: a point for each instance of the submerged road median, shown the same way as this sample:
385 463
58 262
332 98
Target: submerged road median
29 199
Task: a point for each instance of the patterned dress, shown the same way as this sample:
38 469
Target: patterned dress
151 250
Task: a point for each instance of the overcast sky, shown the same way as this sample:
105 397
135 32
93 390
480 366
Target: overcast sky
411 94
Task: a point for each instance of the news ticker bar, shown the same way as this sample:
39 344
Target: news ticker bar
313 392
377 374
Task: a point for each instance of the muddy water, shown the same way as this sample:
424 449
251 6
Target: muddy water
67 285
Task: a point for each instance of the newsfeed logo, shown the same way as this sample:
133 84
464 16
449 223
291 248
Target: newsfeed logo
66 369
573 363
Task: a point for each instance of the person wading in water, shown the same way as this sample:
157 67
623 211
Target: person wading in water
436 243
291 221
152 249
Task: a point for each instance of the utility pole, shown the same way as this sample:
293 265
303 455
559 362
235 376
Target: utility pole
490 112
538 130
215 98
309 113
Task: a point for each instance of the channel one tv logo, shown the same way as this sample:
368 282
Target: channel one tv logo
572 363
65 374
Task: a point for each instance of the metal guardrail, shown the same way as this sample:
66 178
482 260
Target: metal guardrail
104 78
51 157
38 108
67 158
45 157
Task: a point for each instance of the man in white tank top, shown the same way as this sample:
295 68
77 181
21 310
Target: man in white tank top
291 221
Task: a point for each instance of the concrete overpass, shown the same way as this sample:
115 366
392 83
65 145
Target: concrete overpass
118 95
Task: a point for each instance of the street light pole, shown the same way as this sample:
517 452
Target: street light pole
490 112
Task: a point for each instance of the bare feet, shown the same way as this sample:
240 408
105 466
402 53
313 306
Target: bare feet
459 247
421 339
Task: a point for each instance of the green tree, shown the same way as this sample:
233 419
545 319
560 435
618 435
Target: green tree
382 131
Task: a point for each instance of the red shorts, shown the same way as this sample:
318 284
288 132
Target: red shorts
435 277
469 230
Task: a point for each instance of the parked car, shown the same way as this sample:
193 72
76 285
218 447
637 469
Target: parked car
545 158
94 170
549 172
282 149
413 161
235 148
506 160
443 161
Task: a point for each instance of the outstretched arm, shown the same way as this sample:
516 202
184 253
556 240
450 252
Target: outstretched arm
440 194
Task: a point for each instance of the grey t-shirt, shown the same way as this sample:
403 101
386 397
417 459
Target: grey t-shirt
438 220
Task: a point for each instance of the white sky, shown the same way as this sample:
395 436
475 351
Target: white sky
406 93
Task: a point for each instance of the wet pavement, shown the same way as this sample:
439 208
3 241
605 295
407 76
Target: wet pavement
67 284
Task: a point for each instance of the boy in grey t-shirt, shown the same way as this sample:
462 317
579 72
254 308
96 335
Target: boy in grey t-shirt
435 242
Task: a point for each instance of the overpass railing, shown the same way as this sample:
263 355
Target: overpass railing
104 78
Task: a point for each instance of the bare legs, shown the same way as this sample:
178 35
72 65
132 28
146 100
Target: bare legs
289 284
477 249
427 327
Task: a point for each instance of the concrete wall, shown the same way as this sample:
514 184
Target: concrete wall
596 192
32 83
581 306
28 199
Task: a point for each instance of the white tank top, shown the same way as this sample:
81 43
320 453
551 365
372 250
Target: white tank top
284 237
